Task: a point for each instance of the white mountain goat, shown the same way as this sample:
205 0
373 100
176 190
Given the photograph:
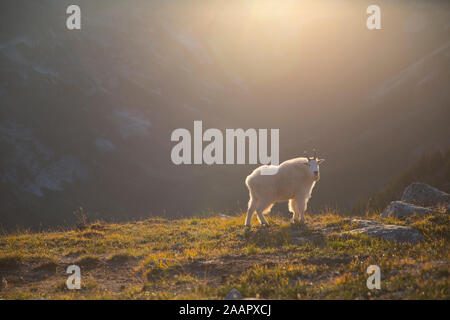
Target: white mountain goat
293 181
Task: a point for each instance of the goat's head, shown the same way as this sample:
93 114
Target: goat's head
313 165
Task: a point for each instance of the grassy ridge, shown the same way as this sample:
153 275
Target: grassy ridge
205 258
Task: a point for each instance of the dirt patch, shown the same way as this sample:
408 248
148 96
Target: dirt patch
220 269
10 263
88 262
46 267
328 261
115 278
119 259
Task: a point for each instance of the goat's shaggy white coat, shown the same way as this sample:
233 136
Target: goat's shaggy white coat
293 181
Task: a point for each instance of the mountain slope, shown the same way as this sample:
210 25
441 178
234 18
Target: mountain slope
86 116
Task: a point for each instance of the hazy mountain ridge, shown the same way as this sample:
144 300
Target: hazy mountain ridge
86 116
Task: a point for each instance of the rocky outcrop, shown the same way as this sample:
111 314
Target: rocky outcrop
418 198
402 209
422 194
387 232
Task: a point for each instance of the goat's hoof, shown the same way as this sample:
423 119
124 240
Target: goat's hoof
297 224
274 224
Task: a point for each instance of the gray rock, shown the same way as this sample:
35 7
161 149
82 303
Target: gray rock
387 232
422 194
364 223
233 295
402 209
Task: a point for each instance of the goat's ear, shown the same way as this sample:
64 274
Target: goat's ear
320 161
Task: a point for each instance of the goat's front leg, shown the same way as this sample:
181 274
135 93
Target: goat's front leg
296 206
301 207
293 208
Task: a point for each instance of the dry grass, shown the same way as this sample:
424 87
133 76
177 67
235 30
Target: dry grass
207 257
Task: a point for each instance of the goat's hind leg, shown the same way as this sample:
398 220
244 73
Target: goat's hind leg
251 209
259 211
